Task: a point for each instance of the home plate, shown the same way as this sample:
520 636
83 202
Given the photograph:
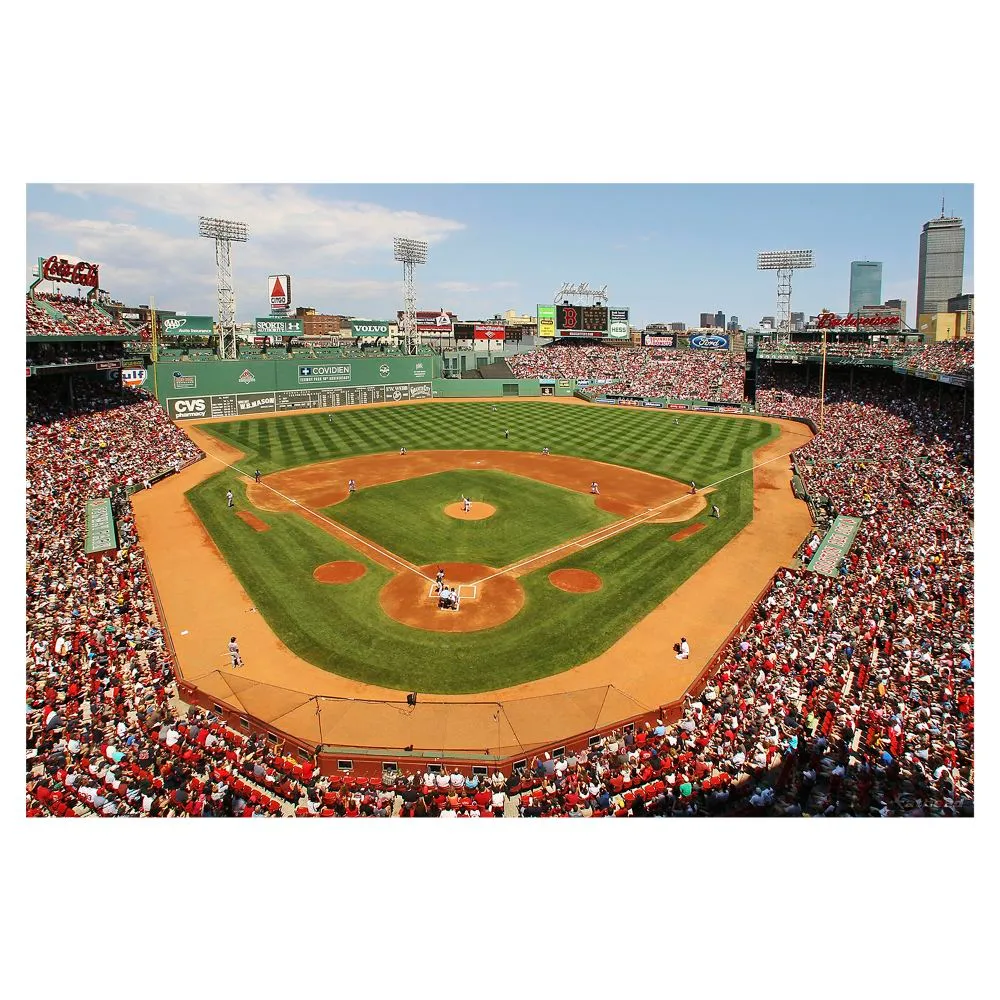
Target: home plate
466 591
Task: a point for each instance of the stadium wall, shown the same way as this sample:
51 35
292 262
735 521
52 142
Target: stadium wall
196 390
448 388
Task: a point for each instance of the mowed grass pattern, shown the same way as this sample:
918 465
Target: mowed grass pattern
684 446
408 518
343 629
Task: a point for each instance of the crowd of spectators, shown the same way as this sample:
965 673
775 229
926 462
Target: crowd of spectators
844 695
76 317
948 357
640 371
70 352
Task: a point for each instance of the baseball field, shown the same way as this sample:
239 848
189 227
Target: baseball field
345 580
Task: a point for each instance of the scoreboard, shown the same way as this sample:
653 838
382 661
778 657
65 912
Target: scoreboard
592 321
582 321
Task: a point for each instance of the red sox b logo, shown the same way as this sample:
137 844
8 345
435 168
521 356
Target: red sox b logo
569 316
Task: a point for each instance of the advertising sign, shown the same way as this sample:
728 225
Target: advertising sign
134 378
309 374
369 328
618 324
658 340
280 291
831 321
61 270
187 326
489 331
710 341
439 322
546 320
269 326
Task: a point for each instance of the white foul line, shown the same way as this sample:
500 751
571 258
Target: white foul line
591 538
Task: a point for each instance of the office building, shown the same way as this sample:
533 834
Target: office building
767 323
798 321
942 261
720 320
866 284
899 305
706 321
677 328
734 323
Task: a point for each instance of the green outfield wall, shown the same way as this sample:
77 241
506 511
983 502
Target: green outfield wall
195 390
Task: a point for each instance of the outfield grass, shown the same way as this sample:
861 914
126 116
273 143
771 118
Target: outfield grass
530 517
699 446
343 629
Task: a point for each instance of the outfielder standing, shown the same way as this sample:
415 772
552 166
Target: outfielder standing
234 653
229 498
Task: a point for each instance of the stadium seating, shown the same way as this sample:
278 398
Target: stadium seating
61 316
844 695
715 376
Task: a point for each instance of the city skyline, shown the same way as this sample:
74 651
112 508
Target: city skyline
494 247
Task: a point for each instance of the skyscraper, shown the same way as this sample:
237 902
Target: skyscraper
866 284
942 260
798 321
706 320
720 320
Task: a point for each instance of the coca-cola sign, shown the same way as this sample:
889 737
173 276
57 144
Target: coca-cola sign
830 321
59 269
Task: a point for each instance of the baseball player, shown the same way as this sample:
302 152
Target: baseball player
256 475
466 504
439 579
694 489
594 488
229 498
351 485
715 511
545 451
506 434
402 451
234 653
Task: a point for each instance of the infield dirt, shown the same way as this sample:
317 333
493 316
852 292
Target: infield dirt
641 663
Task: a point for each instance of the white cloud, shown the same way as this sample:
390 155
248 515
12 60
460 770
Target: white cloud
291 229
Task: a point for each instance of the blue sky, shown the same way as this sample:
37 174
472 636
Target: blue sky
668 251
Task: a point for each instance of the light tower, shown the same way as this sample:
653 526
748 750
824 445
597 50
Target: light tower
784 262
225 233
409 253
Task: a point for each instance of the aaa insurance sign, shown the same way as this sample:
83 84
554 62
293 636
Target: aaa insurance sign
280 291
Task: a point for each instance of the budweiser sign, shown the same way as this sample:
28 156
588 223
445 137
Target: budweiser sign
830 321
60 269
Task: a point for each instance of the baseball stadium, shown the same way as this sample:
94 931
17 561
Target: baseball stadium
592 570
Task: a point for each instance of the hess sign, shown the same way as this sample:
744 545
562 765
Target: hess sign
59 269
830 321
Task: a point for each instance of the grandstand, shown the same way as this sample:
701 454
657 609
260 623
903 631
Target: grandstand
842 694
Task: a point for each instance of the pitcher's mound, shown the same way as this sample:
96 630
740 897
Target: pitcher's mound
339 572
255 522
575 581
691 529
407 598
480 511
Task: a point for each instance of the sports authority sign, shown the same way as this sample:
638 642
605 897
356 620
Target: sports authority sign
269 327
831 321
489 331
370 328
280 292
187 326
59 269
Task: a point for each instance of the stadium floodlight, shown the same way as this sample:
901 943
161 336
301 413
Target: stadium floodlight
225 232
409 253
784 262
